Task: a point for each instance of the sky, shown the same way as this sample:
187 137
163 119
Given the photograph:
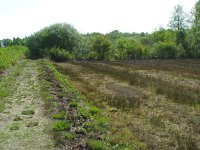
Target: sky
20 18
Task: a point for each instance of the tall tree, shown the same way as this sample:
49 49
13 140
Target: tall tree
196 29
179 24
178 20
101 45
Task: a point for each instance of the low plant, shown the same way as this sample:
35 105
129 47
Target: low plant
70 136
93 144
73 104
32 124
61 125
15 126
17 118
28 112
59 115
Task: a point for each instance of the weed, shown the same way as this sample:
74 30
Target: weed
15 126
61 125
17 118
32 124
73 104
93 144
60 94
28 112
59 115
81 130
70 136
94 110
2 106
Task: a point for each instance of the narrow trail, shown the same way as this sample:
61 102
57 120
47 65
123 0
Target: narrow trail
23 124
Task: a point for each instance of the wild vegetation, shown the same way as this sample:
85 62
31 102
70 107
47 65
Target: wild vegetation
9 55
157 109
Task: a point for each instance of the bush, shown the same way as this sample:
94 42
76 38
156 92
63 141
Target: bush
59 54
58 35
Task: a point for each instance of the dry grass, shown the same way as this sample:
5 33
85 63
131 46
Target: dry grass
146 102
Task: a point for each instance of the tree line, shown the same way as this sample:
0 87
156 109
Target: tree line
63 42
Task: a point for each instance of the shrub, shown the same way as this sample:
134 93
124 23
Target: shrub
59 54
57 35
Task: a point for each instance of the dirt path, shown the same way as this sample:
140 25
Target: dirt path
23 124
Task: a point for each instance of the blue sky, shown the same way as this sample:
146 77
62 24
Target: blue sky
20 18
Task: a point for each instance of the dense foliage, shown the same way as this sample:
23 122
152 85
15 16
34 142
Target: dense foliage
61 36
10 55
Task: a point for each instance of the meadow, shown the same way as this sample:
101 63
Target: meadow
151 104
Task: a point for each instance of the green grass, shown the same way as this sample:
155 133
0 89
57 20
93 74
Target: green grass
59 115
17 118
93 144
14 126
73 104
70 136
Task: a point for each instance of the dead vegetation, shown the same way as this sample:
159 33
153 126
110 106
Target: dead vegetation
157 106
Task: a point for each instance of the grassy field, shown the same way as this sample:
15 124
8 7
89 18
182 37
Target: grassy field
151 104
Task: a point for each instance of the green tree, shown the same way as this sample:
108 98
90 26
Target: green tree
196 29
179 23
101 45
134 50
179 19
7 42
121 47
